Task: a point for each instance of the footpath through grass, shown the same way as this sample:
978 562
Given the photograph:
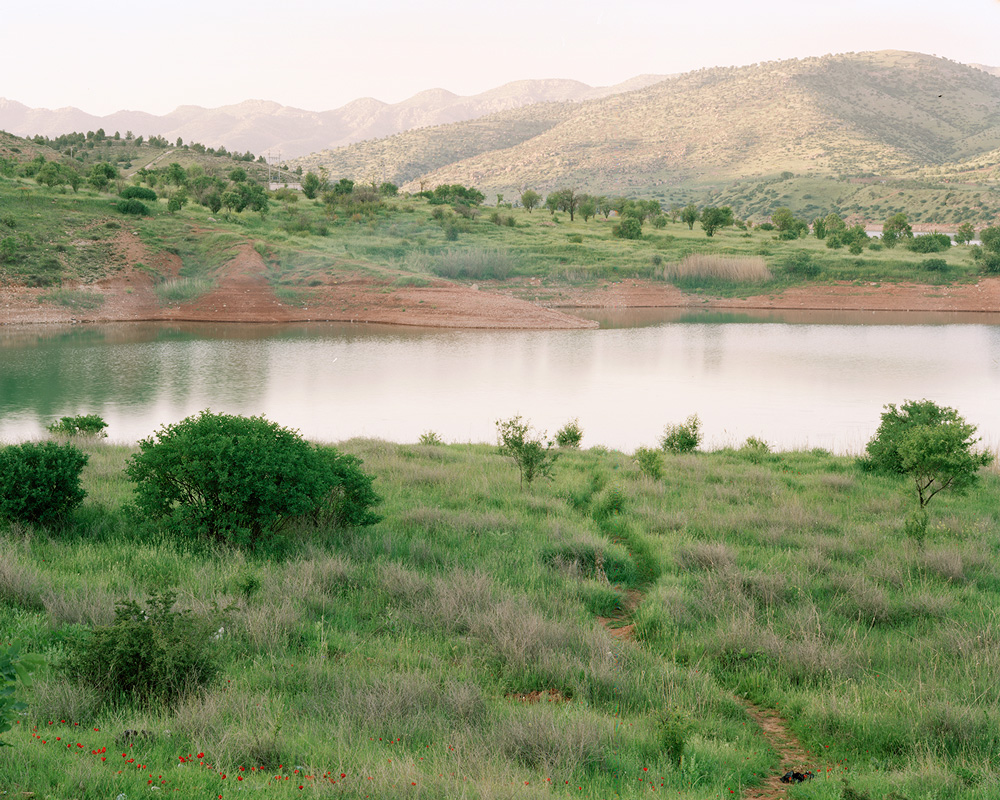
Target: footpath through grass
397 660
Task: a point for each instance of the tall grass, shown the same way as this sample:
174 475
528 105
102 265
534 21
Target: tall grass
182 290
738 269
475 263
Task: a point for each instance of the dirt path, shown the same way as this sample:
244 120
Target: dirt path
792 755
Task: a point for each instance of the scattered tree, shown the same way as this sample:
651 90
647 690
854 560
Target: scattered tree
932 444
689 215
530 199
896 228
966 233
713 218
531 452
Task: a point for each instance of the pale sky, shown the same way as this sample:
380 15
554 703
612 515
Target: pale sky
112 55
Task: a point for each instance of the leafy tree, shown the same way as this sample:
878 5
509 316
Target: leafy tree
783 219
930 443
896 228
565 200
242 479
689 215
834 223
310 185
605 205
531 452
388 189
966 233
40 481
990 237
713 218
819 227
176 174
101 175
587 207
530 199
237 175
930 243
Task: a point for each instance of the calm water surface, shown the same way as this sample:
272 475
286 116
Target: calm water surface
796 381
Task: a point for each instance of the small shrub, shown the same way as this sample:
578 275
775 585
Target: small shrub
14 668
40 482
650 462
576 238
628 228
240 480
673 729
800 263
930 243
150 655
531 452
430 438
659 221
766 226
570 434
754 449
683 437
82 424
934 264
134 207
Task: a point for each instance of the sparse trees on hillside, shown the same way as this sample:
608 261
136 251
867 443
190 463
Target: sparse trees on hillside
713 218
530 199
689 215
565 200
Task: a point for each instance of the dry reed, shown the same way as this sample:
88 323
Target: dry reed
739 269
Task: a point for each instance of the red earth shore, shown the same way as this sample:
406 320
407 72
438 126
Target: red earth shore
242 293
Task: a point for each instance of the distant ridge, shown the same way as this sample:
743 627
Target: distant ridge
261 125
874 113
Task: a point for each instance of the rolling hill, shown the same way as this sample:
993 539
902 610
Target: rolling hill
259 125
883 112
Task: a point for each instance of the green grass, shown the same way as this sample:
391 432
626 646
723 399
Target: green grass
73 298
61 236
392 654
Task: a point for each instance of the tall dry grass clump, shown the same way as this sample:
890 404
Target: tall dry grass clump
738 269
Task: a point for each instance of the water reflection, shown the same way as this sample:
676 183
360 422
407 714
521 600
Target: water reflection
792 383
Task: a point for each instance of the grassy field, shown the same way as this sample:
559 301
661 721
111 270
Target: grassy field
394 660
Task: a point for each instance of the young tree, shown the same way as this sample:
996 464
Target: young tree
713 218
310 185
931 444
530 199
531 452
896 228
689 215
966 233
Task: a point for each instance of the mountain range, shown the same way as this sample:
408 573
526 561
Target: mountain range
261 126
876 113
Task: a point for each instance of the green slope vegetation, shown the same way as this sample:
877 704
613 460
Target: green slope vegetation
396 660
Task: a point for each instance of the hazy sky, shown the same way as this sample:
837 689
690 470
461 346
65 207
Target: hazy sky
111 55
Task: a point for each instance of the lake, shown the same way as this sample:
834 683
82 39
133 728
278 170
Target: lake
797 380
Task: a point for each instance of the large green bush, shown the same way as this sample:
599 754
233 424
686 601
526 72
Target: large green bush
39 482
242 479
137 193
151 654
